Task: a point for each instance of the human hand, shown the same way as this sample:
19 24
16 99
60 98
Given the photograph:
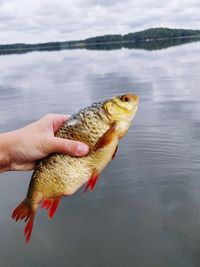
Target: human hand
20 149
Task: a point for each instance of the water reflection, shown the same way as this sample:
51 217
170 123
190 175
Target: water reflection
145 209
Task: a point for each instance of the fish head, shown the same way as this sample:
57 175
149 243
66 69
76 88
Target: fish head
121 110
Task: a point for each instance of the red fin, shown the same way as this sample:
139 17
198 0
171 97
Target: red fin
29 227
51 205
92 181
113 156
54 207
45 204
24 211
106 138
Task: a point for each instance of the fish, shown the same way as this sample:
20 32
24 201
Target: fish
101 126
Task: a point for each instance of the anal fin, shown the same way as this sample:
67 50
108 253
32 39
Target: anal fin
51 205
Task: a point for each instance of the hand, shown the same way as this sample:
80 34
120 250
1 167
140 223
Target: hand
20 149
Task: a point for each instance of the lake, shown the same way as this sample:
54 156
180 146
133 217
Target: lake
145 208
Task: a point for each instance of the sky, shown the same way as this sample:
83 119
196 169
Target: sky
62 20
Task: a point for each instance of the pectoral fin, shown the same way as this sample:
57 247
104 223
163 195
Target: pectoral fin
110 137
106 138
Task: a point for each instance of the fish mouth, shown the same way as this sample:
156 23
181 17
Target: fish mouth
135 98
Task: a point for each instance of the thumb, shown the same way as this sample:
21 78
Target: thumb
70 147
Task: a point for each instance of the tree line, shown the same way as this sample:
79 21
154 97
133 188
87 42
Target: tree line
152 34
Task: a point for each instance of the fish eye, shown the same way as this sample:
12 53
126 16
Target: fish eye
124 98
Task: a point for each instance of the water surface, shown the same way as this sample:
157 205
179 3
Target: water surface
145 209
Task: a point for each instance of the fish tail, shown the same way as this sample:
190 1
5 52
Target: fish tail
24 211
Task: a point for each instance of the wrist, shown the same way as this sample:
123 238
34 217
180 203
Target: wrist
5 159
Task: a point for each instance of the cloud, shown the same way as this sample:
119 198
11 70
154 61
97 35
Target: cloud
49 20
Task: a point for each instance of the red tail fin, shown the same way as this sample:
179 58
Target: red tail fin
24 211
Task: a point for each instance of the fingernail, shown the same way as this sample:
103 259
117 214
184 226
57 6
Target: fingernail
82 149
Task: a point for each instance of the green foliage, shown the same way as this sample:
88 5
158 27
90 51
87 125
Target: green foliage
105 39
160 33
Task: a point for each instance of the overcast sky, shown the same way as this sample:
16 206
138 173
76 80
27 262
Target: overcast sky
33 21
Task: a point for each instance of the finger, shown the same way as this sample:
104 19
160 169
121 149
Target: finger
59 121
70 147
56 120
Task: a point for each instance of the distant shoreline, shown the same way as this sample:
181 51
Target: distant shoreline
147 40
144 39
